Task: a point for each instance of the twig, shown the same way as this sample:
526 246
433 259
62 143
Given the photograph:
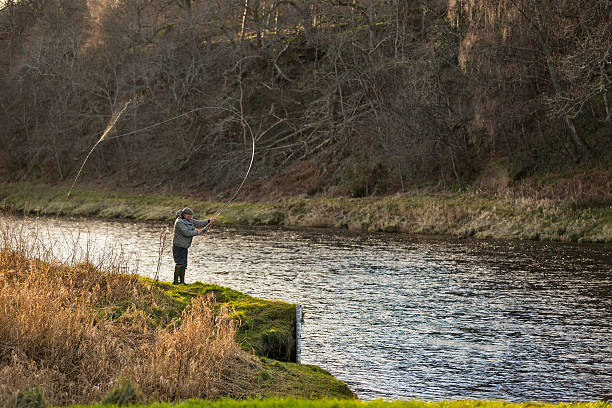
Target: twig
160 251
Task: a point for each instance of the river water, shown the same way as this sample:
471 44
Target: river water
400 317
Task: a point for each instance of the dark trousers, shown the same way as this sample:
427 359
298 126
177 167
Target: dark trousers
180 259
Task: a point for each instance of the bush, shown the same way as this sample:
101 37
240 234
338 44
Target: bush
32 398
124 393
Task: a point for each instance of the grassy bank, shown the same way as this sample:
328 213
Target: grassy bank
463 215
75 332
328 403
266 327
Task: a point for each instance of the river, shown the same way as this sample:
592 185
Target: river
401 317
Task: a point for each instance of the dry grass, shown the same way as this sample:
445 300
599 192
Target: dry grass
565 207
579 187
56 333
202 354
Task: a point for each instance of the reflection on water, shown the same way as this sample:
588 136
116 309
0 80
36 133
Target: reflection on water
404 317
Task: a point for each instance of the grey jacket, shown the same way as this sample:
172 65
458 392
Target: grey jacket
185 230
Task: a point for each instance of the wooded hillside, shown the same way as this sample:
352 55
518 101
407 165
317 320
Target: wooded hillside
344 97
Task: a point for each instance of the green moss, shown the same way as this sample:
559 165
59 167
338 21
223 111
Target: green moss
266 327
300 380
158 310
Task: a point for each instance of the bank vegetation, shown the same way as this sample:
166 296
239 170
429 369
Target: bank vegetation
586 218
83 333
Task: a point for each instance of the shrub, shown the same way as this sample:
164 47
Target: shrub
32 398
124 393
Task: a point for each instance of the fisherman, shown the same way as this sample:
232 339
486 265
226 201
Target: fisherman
184 231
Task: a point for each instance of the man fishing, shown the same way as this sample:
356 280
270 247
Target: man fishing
185 228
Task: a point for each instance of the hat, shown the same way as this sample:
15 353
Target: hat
187 210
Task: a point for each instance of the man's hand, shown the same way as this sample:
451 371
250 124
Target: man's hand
200 231
213 220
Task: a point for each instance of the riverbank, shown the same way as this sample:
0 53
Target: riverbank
77 332
459 215
328 403
266 327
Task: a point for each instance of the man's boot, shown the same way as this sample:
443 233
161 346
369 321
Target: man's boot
177 274
182 275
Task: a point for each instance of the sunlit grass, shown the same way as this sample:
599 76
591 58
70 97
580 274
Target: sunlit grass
332 403
462 215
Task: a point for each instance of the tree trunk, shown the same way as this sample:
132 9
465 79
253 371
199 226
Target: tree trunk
244 17
554 78
371 23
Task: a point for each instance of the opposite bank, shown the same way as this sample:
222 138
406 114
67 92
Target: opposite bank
459 215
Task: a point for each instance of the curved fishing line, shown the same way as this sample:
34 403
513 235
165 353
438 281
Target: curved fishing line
156 124
234 112
243 180
110 125
209 226
244 122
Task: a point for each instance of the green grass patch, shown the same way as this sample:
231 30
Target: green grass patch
278 379
266 327
335 403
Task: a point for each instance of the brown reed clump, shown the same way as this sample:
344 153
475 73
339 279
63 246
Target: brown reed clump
55 335
201 354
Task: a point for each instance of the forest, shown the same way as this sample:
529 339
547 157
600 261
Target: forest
343 97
